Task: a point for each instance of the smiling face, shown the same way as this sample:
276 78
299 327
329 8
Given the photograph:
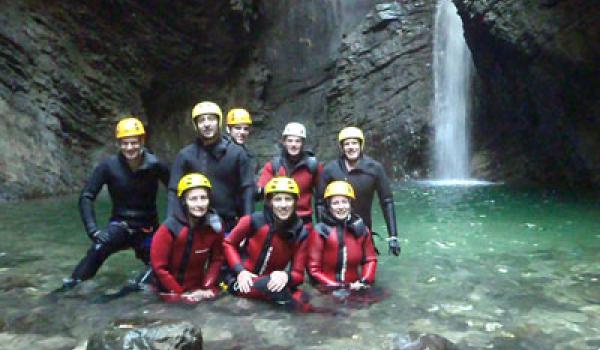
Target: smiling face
293 145
339 207
197 201
208 126
239 133
283 205
351 149
131 147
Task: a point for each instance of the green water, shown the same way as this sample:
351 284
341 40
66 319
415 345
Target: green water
487 267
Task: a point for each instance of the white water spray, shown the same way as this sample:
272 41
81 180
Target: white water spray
452 66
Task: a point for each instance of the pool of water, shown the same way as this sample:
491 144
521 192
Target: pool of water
488 267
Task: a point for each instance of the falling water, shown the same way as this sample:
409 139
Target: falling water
452 74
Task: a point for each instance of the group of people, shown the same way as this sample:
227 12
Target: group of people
213 240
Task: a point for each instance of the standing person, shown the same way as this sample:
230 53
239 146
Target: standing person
297 163
239 125
132 178
187 251
341 244
366 176
239 128
274 239
225 163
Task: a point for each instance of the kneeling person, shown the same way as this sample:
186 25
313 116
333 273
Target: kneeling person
132 178
187 251
341 244
274 239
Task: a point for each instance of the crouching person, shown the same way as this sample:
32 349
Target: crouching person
270 264
342 255
187 250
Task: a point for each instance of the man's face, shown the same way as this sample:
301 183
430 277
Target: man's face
283 205
197 201
293 145
239 133
208 126
351 149
131 147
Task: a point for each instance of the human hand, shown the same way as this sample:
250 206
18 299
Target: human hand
100 237
198 295
244 281
394 245
278 281
358 285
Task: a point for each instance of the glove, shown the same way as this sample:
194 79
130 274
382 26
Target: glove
394 245
100 237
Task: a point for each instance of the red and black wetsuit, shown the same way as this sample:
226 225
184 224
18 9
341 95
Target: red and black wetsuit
338 250
367 178
182 262
306 174
268 249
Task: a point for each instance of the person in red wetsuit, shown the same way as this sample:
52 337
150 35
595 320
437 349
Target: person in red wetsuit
274 239
341 248
187 252
298 163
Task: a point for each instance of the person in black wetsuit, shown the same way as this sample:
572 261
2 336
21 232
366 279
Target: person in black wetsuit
366 176
225 163
132 178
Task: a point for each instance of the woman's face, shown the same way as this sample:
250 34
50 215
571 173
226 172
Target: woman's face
339 207
197 202
283 205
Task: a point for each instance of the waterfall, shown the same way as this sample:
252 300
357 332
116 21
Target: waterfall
452 66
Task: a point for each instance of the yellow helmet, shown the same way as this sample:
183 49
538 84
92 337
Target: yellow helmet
352 132
207 107
192 180
282 184
238 116
128 127
339 188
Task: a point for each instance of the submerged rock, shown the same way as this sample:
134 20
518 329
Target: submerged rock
145 334
423 342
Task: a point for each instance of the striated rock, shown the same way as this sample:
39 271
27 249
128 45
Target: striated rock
147 335
68 71
538 92
383 84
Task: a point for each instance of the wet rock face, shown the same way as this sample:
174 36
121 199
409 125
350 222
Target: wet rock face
70 70
147 335
383 84
538 91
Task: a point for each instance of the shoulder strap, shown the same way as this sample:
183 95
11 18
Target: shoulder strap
174 226
276 164
312 164
323 229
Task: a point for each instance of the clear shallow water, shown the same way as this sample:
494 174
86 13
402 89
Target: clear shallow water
485 266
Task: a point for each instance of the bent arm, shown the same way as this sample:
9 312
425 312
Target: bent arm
160 255
88 196
214 266
231 244
315 262
369 265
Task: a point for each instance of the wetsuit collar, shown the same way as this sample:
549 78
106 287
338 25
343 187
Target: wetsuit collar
216 149
353 223
290 229
148 159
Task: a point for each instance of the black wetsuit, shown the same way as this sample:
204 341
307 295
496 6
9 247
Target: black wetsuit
134 216
228 168
367 178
